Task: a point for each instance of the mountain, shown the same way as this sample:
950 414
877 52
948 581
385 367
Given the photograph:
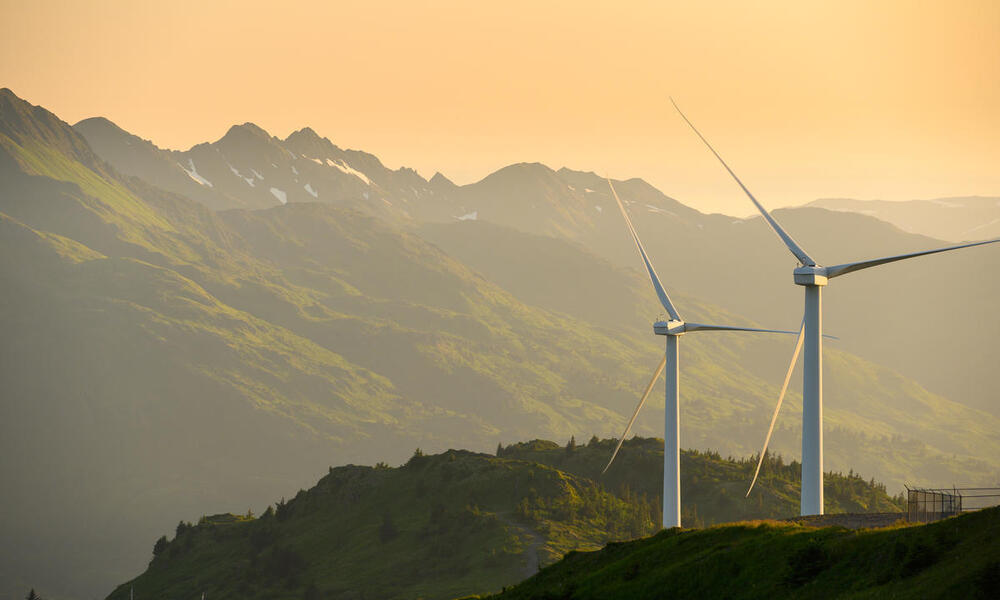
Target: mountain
957 557
955 219
446 525
249 168
874 313
161 358
742 268
144 336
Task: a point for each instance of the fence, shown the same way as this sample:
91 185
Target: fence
932 504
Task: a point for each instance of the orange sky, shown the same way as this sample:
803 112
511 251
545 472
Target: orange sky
805 99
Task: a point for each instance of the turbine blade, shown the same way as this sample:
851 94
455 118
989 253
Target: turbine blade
704 327
781 397
660 292
645 394
796 250
844 269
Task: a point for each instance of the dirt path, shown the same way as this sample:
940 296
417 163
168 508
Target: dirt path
535 544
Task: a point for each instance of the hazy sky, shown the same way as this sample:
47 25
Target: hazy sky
891 99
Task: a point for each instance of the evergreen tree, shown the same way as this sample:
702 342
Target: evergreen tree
160 545
32 595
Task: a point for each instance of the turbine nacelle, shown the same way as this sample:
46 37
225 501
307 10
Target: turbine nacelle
815 275
672 327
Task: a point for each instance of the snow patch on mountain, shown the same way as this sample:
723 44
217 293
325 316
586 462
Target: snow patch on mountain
339 164
257 175
294 170
280 195
311 191
599 209
660 211
472 216
236 172
193 173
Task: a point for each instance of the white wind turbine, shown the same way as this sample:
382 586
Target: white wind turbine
813 277
673 329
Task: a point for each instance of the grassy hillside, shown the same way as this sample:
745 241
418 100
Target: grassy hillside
713 489
954 558
436 527
454 523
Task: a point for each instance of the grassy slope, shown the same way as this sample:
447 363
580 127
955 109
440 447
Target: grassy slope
954 558
713 489
460 523
437 527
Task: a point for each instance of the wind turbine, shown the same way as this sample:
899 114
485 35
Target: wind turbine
673 329
813 277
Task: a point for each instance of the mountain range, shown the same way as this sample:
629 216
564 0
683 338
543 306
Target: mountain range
179 338
740 267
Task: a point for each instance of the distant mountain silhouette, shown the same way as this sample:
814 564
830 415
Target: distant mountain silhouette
956 219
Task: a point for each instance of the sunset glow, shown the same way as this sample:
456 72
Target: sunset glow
891 100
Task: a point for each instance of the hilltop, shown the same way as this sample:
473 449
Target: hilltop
713 489
456 523
954 558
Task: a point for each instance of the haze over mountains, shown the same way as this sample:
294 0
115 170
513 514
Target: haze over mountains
876 314
956 219
185 330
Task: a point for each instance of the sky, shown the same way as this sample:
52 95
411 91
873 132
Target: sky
891 100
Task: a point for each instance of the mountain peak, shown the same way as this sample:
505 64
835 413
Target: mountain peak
306 133
522 170
440 181
308 142
98 123
247 129
22 121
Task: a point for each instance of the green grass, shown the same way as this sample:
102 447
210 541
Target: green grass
713 489
437 527
955 558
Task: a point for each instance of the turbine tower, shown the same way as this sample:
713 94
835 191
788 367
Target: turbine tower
673 329
813 277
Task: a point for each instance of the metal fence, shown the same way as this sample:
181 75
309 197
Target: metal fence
932 504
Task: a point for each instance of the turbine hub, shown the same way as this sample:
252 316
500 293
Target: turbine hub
815 276
668 328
